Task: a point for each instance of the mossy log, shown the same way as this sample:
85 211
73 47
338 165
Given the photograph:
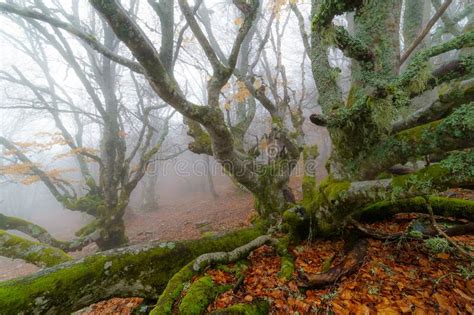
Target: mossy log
141 271
42 255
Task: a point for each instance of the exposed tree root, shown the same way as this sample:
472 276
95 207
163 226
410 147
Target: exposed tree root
176 284
350 263
462 229
173 289
412 216
443 233
227 257
373 233
459 230
201 293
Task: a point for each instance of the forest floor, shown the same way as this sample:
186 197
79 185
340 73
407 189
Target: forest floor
187 218
401 277
395 277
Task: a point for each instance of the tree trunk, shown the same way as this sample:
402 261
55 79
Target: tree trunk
149 193
210 181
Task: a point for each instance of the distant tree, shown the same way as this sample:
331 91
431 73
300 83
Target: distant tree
121 165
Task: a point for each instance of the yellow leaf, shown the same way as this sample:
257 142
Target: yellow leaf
257 84
238 21
242 92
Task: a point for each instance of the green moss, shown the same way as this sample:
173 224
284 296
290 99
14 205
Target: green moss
296 223
257 308
173 289
287 267
90 203
437 245
337 190
208 234
308 186
43 255
134 271
450 207
327 263
201 293
87 229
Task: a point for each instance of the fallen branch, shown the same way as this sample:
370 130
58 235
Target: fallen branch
351 262
400 217
227 257
443 234
384 236
373 233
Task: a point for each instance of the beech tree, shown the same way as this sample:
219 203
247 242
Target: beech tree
121 165
375 130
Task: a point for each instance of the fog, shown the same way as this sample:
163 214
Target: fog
176 175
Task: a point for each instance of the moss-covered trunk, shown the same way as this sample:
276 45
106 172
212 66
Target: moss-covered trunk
273 199
131 271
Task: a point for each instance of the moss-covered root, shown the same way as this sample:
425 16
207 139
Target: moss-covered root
449 207
173 289
287 264
257 308
142 271
43 255
287 267
176 284
296 221
201 293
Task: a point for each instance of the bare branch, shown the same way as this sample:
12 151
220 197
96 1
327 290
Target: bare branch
425 31
87 38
